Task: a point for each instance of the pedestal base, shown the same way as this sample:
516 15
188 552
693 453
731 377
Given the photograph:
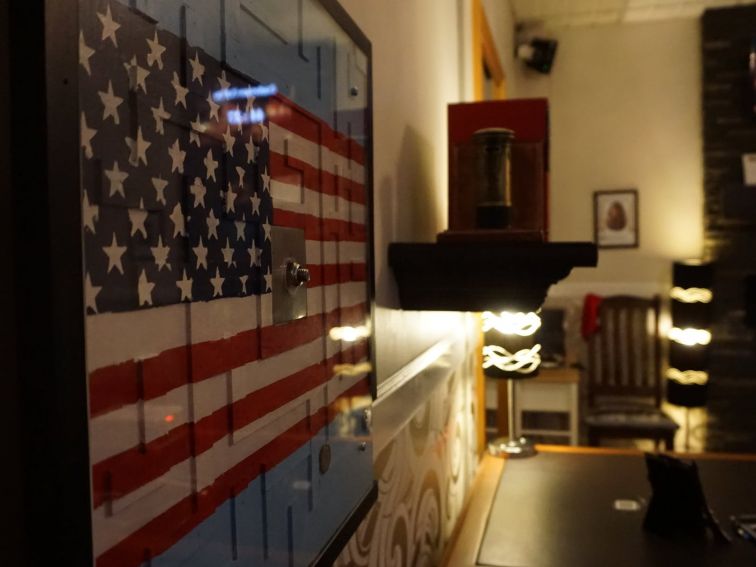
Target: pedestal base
512 448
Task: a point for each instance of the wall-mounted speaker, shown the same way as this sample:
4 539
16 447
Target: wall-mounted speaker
538 54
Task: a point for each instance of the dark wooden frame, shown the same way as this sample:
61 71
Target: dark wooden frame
51 504
342 17
44 408
339 540
634 211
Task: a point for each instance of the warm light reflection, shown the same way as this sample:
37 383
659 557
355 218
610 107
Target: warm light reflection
688 377
511 323
691 294
690 336
523 361
353 369
349 334
169 418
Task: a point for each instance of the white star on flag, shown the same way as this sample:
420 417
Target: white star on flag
109 26
268 280
254 255
159 114
228 141
212 225
90 293
159 184
177 157
116 177
179 223
241 173
185 285
213 107
181 91
115 255
155 56
87 134
89 213
198 69
267 228
223 82
110 104
137 217
145 289
85 52
255 200
211 165
160 253
137 75
201 252
138 148
230 199
217 282
197 127
228 253
240 229
251 153
198 191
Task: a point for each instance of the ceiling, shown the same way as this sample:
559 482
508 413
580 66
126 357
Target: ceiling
594 12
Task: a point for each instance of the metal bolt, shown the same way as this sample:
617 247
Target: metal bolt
296 274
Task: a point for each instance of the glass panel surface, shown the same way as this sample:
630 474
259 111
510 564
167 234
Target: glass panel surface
223 146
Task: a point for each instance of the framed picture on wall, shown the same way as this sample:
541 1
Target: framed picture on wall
615 218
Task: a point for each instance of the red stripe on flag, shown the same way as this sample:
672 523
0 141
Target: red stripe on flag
290 170
121 474
265 400
330 274
166 529
295 119
315 228
115 386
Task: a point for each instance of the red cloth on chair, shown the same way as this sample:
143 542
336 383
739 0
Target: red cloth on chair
590 323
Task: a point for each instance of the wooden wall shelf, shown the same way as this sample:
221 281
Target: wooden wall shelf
483 276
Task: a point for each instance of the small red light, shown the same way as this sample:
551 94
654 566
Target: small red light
169 418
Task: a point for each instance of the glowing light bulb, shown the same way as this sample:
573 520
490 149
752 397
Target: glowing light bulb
511 323
353 369
349 334
689 336
691 294
688 377
523 361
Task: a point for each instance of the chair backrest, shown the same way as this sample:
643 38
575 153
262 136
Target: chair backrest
624 356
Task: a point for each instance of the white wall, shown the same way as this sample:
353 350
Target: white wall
419 66
501 20
415 74
625 106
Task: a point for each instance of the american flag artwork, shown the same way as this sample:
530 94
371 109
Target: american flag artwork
218 437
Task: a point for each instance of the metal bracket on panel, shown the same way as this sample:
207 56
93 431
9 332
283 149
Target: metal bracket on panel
290 274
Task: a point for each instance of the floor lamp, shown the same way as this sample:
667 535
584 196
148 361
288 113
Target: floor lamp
510 353
691 298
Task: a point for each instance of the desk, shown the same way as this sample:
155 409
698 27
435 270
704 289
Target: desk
556 510
553 390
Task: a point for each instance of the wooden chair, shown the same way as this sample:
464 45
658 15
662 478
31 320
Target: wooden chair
624 375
